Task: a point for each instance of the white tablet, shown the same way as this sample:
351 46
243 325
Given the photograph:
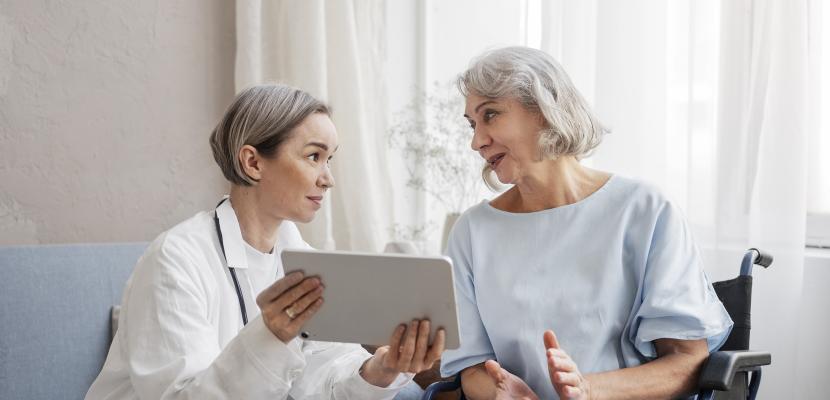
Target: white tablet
368 295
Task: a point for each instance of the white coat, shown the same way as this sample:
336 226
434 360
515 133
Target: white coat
181 334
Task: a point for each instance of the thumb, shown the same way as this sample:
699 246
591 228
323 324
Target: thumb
381 351
494 370
550 340
380 355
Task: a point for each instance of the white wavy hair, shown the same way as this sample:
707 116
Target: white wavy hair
538 82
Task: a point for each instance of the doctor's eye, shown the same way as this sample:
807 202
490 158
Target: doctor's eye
314 157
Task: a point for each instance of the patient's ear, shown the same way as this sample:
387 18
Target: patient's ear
251 162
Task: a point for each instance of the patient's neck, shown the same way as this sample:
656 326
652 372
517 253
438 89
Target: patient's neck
553 183
258 226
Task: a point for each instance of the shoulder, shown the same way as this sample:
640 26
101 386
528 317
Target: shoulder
180 248
637 195
473 215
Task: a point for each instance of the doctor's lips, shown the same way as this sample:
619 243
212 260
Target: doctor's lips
316 199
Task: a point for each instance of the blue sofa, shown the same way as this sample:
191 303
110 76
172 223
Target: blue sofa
55 303
55 309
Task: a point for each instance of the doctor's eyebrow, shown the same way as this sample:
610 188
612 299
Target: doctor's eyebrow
323 146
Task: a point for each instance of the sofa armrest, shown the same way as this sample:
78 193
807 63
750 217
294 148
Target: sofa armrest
115 311
721 366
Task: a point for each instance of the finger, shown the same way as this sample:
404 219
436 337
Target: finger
381 352
550 340
494 370
408 346
304 302
421 342
277 288
380 355
565 364
559 354
566 378
287 298
394 347
571 392
437 347
297 323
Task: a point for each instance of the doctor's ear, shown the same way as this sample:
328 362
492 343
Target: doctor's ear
250 160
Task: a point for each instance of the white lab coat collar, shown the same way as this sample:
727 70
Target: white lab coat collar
287 236
231 235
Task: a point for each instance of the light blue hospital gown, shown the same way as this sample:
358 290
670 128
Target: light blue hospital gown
609 274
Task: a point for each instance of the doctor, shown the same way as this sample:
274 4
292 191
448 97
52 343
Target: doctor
202 316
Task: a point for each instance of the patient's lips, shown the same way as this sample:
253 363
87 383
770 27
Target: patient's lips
495 160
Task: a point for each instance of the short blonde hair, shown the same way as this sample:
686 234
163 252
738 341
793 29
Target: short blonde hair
538 82
263 117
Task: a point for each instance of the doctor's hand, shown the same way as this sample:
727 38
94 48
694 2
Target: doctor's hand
564 374
408 351
289 303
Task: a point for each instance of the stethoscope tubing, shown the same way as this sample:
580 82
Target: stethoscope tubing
232 270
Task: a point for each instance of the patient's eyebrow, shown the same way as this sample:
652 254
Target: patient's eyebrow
475 111
483 104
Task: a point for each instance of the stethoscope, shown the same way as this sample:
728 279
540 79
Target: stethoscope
231 269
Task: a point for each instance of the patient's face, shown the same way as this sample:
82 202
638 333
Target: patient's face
505 134
297 178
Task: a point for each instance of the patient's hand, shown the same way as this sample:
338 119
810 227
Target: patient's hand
508 386
408 351
564 374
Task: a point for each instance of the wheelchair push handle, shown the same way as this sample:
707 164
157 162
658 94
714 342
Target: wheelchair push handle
752 257
762 258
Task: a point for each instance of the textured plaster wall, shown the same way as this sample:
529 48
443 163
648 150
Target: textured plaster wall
105 111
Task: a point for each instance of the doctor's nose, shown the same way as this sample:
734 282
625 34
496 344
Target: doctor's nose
326 180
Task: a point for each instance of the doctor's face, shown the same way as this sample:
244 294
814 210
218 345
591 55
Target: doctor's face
296 179
505 135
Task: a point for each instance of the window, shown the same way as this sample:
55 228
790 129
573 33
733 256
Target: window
818 178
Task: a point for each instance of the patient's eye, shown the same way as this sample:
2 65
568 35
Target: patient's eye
472 124
314 157
489 115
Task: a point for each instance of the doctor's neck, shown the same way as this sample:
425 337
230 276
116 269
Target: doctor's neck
259 229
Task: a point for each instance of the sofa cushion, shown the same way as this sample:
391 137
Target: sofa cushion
55 303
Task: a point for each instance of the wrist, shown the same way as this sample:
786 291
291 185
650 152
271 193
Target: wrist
589 388
373 372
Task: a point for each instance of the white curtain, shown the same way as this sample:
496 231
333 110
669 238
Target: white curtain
716 115
334 50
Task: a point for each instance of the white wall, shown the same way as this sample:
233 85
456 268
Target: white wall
813 348
105 112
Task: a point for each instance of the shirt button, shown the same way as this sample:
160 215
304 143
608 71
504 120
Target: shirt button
294 374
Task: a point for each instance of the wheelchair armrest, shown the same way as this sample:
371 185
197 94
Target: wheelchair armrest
721 367
443 386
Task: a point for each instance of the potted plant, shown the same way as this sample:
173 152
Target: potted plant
434 140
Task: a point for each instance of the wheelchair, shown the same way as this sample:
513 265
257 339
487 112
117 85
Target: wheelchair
733 372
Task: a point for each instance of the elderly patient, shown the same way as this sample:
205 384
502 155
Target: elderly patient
581 284
208 312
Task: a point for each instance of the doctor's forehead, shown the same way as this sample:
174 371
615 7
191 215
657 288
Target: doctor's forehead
317 130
